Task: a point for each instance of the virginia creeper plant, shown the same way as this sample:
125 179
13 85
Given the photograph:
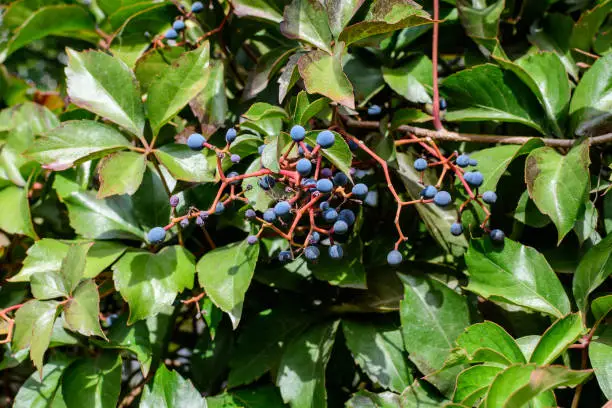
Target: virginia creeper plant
269 203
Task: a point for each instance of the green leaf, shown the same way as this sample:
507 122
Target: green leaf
556 339
150 282
267 66
301 373
185 164
73 265
259 9
412 80
339 154
83 309
586 28
61 20
267 333
492 336
559 184
594 268
306 20
347 272
600 355
121 173
544 379
432 317
506 383
552 33
176 86
46 286
170 390
480 19
515 274
93 382
473 383
210 105
17 221
545 75
601 306
225 274
266 396
486 92
591 104
421 395
377 349
261 110
366 399
105 86
366 77
75 142
527 212
33 327
339 14
384 17
153 63
37 392
322 74
258 198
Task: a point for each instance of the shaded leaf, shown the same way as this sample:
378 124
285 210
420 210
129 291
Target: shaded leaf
600 355
17 221
557 338
552 33
37 392
93 382
340 12
307 20
594 268
210 105
412 80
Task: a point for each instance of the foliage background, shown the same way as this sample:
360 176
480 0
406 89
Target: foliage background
92 143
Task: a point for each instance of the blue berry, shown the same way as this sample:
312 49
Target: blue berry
340 227
374 110
330 215
326 139
394 257
456 229
261 148
325 186
196 141
473 162
269 215
360 190
347 216
301 151
442 198
219 208
474 178
315 237
267 182
443 104
178 25
197 7
335 252
156 235
235 158
171 34
230 135
200 221
308 182
312 253
489 197
326 172
420 164
233 174
340 179
184 223
463 160
297 133
174 201
497 235
304 167
250 213
352 145
429 192
371 198
251 239
282 208
203 214
324 206
284 256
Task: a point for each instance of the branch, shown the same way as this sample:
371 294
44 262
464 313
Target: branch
474 138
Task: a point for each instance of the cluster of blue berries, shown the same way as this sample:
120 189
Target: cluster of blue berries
179 25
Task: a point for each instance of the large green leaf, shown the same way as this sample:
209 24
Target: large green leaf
18 220
306 20
559 184
377 348
301 373
412 80
322 73
83 310
480 19
473 383
340 12
268 332
93 382
592 101
37 392
433 316
600 354
153 63
486 92
259 9
75 142
150 282
185 164
105 86
563 333
33 327
170 390
491 336
594 268
175 87
552 33
225 274
515 274
121 173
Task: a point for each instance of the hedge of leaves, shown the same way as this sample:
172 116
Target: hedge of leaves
267 203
